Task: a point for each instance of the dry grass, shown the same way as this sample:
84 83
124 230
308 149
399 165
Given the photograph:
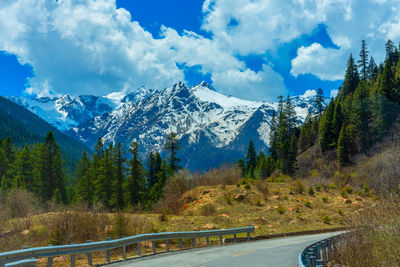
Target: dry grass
376 239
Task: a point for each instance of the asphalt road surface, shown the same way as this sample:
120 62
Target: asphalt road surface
279 252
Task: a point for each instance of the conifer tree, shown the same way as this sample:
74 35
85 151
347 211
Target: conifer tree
351 78
372 69
242 166
361 116
51 174
251 159
390 52
338 120
84 176
305 134
119 162
106 177
135 183
363 61
273 136
24 165
326 135
172 145
343 148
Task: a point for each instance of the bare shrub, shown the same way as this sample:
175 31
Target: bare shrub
263 188
19 203
207 209
375 240
184 181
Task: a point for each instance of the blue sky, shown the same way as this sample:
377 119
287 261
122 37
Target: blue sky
251 49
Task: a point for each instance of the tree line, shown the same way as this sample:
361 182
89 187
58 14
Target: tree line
362 113
108 177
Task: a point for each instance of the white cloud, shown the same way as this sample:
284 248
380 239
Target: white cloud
310 93
319 61
262 85
88 46
83 47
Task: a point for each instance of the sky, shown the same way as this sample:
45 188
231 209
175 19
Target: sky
252 49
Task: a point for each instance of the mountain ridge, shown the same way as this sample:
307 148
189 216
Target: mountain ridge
206 121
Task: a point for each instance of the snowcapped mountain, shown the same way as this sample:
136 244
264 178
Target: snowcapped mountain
213 128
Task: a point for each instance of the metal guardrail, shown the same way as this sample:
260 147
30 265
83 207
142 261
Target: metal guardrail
28 256
318 254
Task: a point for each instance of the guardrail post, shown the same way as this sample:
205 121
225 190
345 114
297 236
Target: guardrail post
49 260
207 240
89 255
221 241
153 245
72 258
108 252
248 236
312 260
180 244
194 242
167 245
234 237
139 249
124 252
320 263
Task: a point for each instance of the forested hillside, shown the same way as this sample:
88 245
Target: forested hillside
24 127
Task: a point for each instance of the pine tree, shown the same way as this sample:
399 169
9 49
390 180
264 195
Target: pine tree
390 52
351 78
172 146
84 176
319 102
119 161
273 136
106 177
361 116
338 120
99 148
372 69
305 134
151 172
326 135
135 183
24 165
343 148
363 61
251 159
51 174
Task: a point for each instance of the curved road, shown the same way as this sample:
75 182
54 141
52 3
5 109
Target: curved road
279 252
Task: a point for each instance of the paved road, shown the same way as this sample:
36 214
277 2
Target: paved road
279 252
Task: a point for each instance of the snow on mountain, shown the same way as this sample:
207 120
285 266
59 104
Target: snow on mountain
213 128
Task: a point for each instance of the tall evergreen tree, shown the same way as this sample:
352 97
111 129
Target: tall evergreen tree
338 120
251 159
361 116
51 175
119 162
390 52
106 177
326 134
372 69
343 148
351 78
84 176
363 61
172 145
24 165
135 183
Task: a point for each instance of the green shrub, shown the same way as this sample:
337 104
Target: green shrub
332 186
280 209
311 191
340 212
318 188
325 199
343 193
349 189
307 204
247 186
326 219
